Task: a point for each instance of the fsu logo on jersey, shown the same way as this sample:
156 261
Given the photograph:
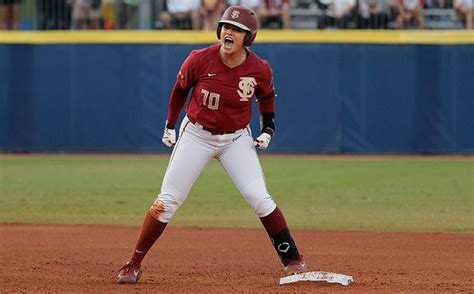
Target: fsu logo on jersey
247 88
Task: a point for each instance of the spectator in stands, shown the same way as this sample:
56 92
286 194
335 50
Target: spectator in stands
211 10
181 15
410 10
442 4
10 14
255 5
465 11
108 15
373 14
54 14
393 10
87 14
339 13
437 4
128 14
274 14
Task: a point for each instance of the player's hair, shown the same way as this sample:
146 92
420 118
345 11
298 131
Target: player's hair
240 17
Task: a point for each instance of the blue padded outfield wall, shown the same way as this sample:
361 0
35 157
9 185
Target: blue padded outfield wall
332 98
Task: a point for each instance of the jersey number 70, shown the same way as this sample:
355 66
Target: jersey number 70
211 100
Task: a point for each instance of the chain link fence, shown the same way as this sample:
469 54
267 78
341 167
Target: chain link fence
298 14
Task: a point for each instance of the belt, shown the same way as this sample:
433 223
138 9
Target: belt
212 131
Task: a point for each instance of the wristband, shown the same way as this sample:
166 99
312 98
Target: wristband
267 123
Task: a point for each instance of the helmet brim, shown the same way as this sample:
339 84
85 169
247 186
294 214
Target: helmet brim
237 24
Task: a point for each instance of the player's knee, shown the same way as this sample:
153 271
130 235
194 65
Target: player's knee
164 207
258 198
264 207
260 201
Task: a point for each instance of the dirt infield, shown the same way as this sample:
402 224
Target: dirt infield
39 258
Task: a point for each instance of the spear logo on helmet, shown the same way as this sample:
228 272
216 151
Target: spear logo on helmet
235 14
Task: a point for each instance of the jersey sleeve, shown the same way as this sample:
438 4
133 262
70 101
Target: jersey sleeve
266 91
185 80
187 75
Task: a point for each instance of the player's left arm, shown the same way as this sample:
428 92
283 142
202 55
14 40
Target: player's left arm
267 123
266 105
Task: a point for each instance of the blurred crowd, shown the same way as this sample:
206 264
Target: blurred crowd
204 14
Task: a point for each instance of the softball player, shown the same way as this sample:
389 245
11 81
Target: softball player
224 77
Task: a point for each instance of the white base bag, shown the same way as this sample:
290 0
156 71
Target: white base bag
318 277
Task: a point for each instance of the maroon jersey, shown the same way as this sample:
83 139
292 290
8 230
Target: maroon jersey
222 97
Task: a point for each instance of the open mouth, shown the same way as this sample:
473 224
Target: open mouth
228 42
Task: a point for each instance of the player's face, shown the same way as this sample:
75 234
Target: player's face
232 38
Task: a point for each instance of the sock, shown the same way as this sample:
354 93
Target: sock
274 222
277 229
151 230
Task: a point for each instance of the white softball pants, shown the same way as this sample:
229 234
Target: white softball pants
194 148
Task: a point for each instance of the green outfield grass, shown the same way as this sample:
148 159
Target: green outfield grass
327 193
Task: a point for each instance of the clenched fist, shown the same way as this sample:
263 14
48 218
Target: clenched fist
169 137
262 141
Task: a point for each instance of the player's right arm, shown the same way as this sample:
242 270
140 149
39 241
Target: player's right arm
177 100
184 82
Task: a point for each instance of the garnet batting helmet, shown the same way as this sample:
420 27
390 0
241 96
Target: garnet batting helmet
240 17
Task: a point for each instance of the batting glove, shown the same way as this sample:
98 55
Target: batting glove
169 137
262 141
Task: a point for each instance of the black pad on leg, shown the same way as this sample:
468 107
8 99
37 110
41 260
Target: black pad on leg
285 246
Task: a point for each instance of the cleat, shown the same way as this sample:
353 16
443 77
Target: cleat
295 266
130 273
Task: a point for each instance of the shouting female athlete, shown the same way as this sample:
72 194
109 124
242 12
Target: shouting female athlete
224 77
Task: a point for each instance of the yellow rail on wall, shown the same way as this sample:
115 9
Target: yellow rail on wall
447 37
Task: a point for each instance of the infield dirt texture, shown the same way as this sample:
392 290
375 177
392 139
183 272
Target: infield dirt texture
86 259
56 258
